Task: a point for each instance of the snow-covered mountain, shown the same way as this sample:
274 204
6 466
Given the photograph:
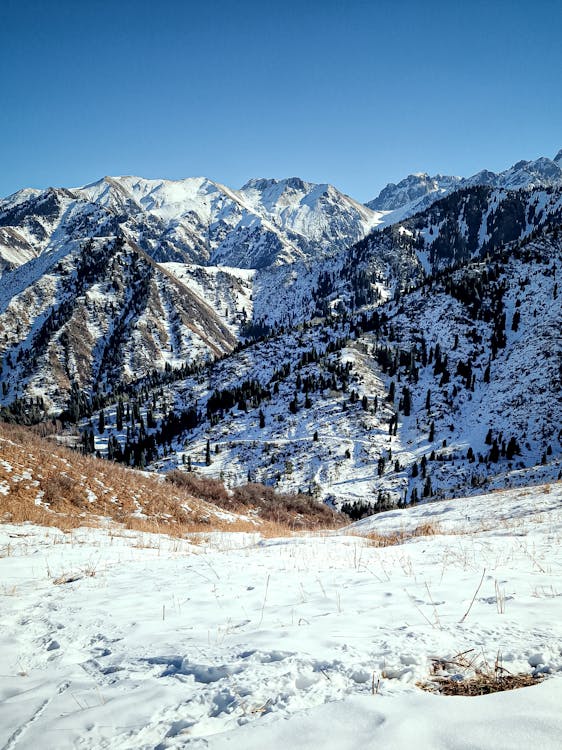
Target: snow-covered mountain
451 388
124 271
282 334
267 324
97 314
417 191
412 189
267 222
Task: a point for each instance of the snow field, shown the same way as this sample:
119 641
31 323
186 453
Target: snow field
232 641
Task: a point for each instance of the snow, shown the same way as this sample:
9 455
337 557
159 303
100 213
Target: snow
342 465
229 640
417 191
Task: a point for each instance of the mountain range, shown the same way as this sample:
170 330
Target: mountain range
286 333
417 191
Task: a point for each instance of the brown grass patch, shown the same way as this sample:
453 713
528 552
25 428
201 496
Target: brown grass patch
205 488
293 511
50 485
474 676
479 684
375 539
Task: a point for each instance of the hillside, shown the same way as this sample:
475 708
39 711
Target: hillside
435 393
213 596
420 361
46 483
227 640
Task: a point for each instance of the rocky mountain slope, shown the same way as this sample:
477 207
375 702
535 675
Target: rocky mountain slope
267 222
452 387
299 370
417 191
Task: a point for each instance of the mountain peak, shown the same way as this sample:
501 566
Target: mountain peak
266 183
412 188
416 191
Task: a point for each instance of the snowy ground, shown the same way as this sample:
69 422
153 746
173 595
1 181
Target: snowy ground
236 642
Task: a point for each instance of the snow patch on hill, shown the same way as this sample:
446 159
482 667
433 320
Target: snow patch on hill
234 641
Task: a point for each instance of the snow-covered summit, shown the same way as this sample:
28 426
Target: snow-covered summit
417 191
411 189
319 212
266 222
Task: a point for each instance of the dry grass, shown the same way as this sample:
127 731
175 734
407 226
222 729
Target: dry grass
480 684
375 539
474 676
296 511
47 484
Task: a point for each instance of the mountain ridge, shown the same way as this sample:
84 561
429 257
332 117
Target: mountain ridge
416 191
258 323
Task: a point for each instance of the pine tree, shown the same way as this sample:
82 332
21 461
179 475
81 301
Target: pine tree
391 392
119 416
515 321
406 401
208 453
512 448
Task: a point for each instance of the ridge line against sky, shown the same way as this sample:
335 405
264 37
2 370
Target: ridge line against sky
356 94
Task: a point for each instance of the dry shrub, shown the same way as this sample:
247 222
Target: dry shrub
51 485
399 537
60 489
480 684
474 676
205 488
294 511
297 511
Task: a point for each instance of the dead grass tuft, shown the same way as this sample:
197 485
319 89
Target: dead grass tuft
473 675
376 539
479 684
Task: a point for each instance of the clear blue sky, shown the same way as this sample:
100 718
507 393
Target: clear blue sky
353 93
